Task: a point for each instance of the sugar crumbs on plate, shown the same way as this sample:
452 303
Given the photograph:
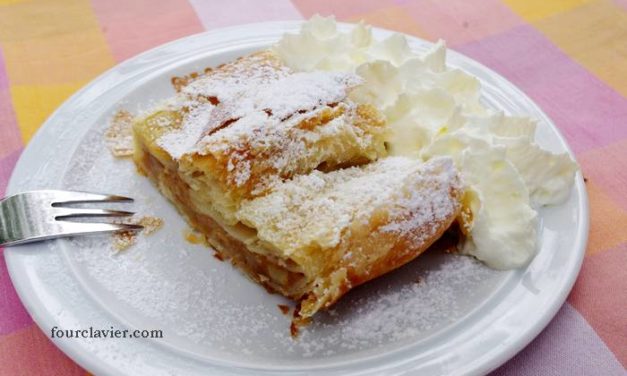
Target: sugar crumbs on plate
125 239
119 135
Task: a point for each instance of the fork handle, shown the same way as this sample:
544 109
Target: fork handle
10 232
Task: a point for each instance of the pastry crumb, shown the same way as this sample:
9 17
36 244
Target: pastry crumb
119 135
285 309
298 322
125 239
150 223
180 82
193 237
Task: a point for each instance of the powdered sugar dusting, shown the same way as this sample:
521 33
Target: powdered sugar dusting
119 135
249 94
317 208
233 79
397 308
295 92
194 124
199 97
426 206
208 308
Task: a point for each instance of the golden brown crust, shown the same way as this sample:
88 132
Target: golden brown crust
380 253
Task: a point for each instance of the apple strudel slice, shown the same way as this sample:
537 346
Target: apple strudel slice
288 177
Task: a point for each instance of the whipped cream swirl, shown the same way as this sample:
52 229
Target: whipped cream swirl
435 110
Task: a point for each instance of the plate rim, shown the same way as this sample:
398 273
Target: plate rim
86 359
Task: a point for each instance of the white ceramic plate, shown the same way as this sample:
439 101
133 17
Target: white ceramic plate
462 318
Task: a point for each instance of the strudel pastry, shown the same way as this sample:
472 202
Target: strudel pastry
288 178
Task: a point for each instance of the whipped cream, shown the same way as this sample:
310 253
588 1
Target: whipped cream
435 110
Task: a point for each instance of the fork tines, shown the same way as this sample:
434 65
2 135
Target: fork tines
39 215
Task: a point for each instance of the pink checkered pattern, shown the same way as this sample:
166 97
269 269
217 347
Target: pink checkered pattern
570 56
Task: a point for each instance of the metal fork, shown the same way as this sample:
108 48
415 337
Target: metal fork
40 215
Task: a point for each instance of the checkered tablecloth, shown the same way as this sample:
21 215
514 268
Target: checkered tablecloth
570 56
